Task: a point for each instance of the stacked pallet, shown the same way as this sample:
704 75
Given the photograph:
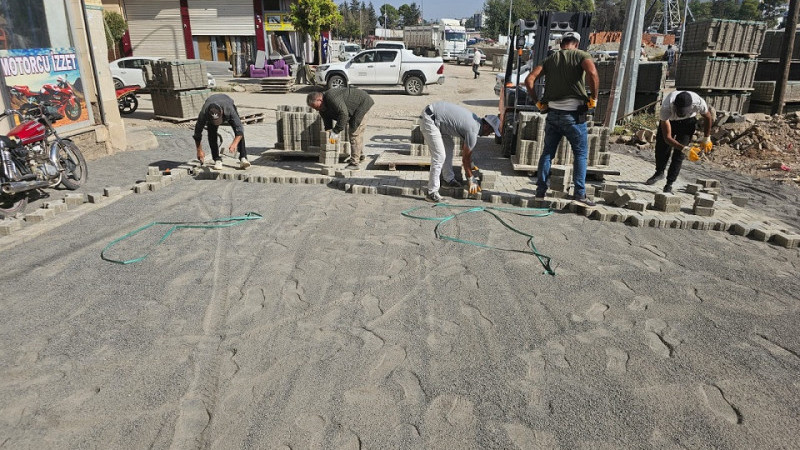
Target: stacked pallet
649 84
718 62
769 72
178 87
530 143
301 131
277 85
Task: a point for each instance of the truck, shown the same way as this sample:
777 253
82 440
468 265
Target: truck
383 67
446 39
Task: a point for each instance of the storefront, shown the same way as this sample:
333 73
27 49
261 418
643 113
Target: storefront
44 58
219 32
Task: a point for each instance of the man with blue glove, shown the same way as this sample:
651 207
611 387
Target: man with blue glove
446 119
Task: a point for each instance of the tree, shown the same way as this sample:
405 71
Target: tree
409 14
609 15
771 11
497 12
314 16
116 27
370 20
748 10
389 16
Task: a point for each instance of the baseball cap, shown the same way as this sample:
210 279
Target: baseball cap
214 114
571 35
683 104
494 122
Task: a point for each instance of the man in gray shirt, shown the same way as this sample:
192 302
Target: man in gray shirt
216 109
446 119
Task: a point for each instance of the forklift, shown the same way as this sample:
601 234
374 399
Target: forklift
529 44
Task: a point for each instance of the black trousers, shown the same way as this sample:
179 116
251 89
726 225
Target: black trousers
213 142
682 131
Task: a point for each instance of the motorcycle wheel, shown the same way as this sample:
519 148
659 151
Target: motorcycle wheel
73 112
12 204
72 161
128 104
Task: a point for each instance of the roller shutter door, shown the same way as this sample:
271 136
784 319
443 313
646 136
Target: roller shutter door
155 28
218 18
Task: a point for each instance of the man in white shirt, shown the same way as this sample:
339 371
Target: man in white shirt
676 127
476 61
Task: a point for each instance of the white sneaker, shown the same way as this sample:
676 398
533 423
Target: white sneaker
244 163
218 165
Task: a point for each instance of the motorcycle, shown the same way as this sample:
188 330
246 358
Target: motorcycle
126 99
34 156
59 95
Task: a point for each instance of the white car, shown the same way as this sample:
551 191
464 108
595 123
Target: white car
466 57
500 78
128 71
348 51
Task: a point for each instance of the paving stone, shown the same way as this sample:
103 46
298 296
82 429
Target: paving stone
330 171
704 211
112 191
787 240
708 182
9 226
760 234
600 213
693 188
637 205
74 199
703 199
227 176
342 174
153 186
623 197
57 206
40 215
153 170
96 197
739 200
152 178
636 220
701 224
713 192
740 228
138 188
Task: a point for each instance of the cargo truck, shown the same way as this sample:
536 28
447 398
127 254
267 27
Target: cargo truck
446 39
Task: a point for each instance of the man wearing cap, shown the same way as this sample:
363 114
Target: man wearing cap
216 109
676 127
348 106
440 122
565 102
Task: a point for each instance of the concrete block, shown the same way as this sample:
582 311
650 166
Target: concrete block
708 182
601 214
329 171
739 200
394 190
720 225
704 211
372 190
713 192
760 234
609 186
787 240
40 215
57 206
9 226
74 199
637 205
240 176
153 186
623 197
636 220
342 174
702 224
740 228
693 188
138 188
152 178
153 170
703 199
111 191
96 197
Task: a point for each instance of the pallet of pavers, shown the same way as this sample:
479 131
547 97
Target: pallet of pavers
717 37
301 133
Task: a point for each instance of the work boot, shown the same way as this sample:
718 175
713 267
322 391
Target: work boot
351 166
218 165
244 163
656 176
668 188
433 197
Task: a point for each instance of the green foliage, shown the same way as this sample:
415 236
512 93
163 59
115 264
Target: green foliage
409 14
609 15
389 17
771 11
497 12
115 26
313 16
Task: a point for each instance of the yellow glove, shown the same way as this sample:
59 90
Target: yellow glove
707 145
592 103
542 106
474 187
692 153
333 137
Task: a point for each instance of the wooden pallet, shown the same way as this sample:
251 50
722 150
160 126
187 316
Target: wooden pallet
293 153
245 118
252 118
277 85
391 160
720 54
591 170
175 119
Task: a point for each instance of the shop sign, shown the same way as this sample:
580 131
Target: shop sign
278 22
46 75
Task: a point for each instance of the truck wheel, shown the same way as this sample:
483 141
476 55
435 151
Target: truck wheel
336 81
413 85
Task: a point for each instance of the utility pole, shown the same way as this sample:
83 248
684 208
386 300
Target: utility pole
787 48
508 33
620 71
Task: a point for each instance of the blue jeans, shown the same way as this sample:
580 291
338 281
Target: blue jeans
557 125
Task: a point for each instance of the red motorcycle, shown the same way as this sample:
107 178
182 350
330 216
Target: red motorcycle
126 99
59 95
34 156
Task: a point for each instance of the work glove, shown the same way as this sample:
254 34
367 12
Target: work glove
707 145
692 153
591 103
542 106
474 186
333 137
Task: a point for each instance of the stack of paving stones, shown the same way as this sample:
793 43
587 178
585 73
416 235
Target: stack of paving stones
769 70
764 93
301 130
719 62
419 148
530 143
650 81
178 88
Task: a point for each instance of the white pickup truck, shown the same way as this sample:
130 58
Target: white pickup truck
383 67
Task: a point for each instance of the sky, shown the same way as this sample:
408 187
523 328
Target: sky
436 9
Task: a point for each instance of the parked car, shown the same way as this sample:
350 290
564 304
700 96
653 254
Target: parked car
499 77
467 55
386 67
128 71
348 51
